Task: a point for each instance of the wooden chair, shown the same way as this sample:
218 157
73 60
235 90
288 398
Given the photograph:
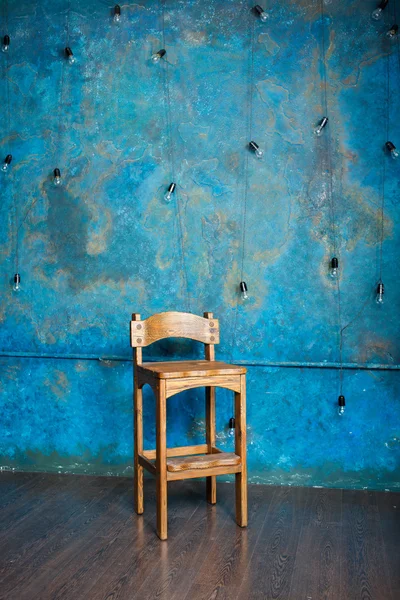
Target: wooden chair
169 378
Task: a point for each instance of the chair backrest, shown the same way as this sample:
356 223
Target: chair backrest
173 324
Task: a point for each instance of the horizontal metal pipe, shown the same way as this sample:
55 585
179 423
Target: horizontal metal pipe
247 363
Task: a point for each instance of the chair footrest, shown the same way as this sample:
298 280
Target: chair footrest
207 461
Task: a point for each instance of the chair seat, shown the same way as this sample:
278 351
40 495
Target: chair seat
190 368
207 461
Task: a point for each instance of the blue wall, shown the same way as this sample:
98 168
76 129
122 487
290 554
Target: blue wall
105 243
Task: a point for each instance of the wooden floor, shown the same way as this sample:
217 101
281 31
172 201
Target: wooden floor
76 538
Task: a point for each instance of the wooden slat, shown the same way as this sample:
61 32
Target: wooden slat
190 368
161 461
137 430
179 451
149 466
208 461
174 324
240 450
202 473
174 386
211 482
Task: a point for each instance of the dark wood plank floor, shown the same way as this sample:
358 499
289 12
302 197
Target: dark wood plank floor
65 537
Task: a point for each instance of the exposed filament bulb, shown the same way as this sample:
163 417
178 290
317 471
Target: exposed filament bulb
392 149
6 163
70 55
170 191
157 56
319 128
17 283
6 43
334 268
57 177
380 291
243 290
378 12
264 16
256 149
393 31
117 14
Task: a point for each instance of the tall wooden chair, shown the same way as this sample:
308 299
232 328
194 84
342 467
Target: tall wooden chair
169 378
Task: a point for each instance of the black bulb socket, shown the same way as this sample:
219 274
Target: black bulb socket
383 4
334 263
117 9
324 122
162 53
68 51
8 159
57 173
17 278
380 289
232 423
172 187
394 29
253 146
258 9
243 286
390 146
6 40
341 401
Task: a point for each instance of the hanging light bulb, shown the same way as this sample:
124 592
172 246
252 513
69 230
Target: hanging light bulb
257 151
17 283
393 31
158 55
170 191
261 13
392 149
243 290
377 13
6 163
70 55
117 14
334 268
341 405
57 177
320 127
6 43
232 425
380 290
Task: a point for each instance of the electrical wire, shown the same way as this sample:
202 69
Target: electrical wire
331 195
386 119
249 130
245 178
171 156
15 228
59 116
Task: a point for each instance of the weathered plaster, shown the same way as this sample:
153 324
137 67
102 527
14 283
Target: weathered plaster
105 244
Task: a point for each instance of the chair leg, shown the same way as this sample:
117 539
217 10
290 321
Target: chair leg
211 482
161 461
138 449
240 449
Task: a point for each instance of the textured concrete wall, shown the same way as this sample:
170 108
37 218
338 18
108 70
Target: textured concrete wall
105 243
